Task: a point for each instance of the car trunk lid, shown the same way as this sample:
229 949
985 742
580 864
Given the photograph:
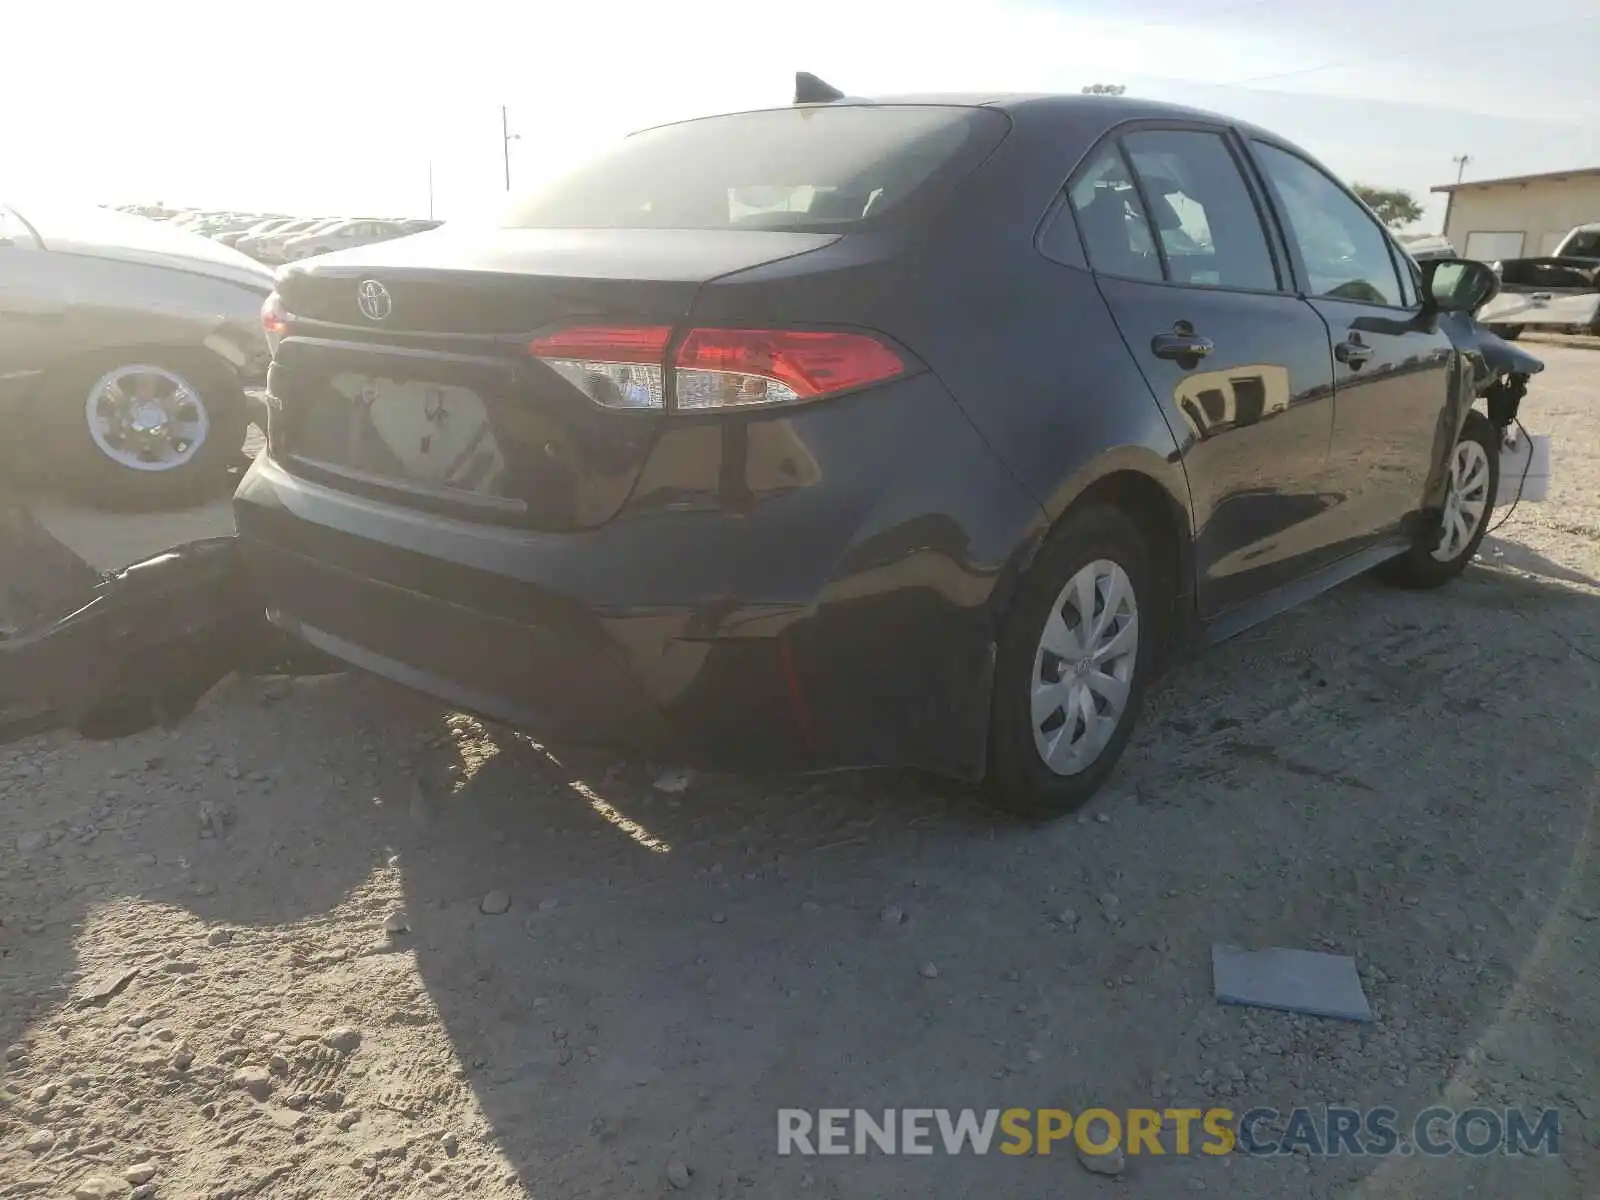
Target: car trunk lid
404 371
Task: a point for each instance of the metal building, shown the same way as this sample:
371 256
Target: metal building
1524 216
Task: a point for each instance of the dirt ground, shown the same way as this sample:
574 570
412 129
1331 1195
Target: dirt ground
250 958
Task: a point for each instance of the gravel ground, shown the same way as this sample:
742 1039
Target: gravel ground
327 940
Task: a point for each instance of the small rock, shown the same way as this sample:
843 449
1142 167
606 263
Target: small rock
678 1174
396 923
1109 901
96 1187
451 1144
14 1053
278 1064
1111 1163
254 1080
208 1110
143 1192
34 839
182 1056
219 937
348 1118
144 860
43 1094
494 903
548 904
1103 818
1067 917
673 782
344 1038
39 1141
332 1099
718 918
892 914
141 1173
810 907
928 971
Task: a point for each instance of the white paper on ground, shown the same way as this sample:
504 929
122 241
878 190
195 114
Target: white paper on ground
1322 985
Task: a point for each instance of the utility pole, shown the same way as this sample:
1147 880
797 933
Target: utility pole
1461 161
506 138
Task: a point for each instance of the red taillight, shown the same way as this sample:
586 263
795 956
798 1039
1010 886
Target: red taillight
275 321
602 343
616 366
621 366
767 365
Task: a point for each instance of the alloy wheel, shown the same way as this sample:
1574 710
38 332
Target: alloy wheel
1084 666
1466 505
146 417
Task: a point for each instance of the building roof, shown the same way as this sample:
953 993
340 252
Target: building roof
1547 177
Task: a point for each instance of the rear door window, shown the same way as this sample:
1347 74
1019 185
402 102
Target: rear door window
807 168
1203 214
1111 217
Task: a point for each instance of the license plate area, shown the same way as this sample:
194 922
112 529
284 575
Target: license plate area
407 432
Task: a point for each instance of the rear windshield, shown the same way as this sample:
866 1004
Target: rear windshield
801 168
1583 244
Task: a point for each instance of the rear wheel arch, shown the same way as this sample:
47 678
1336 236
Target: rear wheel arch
1161 517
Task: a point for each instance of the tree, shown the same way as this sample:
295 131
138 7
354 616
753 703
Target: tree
1395 206
1105 89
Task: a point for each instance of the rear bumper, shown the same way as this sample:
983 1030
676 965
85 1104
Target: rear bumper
823 630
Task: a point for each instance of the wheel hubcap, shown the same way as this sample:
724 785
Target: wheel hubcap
1467 504
1083 667
146 417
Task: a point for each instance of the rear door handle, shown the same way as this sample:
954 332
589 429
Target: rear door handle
1352 353
1180 346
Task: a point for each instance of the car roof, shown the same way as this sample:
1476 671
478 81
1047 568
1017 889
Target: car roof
1044 106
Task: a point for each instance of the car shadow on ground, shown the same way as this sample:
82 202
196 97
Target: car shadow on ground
673 969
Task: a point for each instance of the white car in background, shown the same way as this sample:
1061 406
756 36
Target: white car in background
269 249
341 235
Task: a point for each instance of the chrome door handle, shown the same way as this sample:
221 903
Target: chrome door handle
1353 354
1180 346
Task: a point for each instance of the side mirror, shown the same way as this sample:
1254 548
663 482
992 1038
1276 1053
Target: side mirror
1457 285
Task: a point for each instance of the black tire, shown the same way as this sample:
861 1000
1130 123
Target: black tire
1418 568
1019 779
73 461
1509 332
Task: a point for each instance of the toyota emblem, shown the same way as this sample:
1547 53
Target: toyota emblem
374 300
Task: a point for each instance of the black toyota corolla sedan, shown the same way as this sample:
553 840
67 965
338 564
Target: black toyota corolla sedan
915 432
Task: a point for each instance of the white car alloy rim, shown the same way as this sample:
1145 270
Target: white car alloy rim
146 417
1083 667
1467 504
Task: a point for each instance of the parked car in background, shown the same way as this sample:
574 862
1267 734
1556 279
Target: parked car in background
255 243
342 235
258 229
269 249
126 351
848 434
1422 247
1558 291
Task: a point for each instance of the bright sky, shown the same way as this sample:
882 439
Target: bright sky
339 106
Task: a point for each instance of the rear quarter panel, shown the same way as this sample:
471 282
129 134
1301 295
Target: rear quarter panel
60 307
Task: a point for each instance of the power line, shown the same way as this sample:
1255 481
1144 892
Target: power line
1429 49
